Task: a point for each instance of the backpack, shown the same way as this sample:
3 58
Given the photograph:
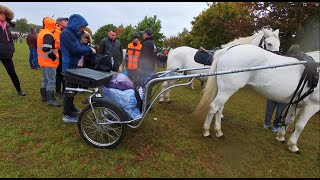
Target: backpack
99 62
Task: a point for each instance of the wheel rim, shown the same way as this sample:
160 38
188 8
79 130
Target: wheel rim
101 135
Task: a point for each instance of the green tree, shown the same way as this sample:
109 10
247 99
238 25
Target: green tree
221 23
102 32
126 36
37 27
176 41
155 25
291 18
22 25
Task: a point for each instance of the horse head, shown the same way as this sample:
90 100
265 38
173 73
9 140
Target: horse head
270 40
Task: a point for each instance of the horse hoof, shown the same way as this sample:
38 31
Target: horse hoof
297 152
282 142
209 137
221 137
161 102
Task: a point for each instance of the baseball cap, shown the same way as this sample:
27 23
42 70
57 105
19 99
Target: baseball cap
148 31
59 19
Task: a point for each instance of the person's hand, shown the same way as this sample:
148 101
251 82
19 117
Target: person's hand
52 56
93 51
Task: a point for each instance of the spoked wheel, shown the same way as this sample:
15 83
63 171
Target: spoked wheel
102 136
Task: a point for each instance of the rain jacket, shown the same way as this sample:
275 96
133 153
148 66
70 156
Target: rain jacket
70 43
47 54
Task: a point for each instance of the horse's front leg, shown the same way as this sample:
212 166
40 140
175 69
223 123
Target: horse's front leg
164 85
167 94
307 113
293 111
192 84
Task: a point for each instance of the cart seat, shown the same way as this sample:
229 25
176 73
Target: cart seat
88 77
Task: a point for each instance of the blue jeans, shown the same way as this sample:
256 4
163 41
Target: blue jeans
33 58
49 78
270 106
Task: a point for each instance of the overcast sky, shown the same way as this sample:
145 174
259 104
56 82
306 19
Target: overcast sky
174 16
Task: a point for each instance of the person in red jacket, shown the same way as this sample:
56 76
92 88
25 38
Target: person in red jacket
32 43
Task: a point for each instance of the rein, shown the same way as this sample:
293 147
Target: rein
297 93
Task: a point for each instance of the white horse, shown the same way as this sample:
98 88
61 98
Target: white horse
183 57
276 84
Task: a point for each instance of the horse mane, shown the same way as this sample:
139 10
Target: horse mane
244 40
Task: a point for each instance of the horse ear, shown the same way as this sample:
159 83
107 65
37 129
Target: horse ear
276 32
266 32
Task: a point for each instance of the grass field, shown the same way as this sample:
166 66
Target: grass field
35 142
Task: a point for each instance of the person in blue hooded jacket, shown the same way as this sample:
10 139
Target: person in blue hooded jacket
72 49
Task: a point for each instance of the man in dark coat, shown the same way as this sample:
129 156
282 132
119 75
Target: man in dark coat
148 56
112 47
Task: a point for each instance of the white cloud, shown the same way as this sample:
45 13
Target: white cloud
174 16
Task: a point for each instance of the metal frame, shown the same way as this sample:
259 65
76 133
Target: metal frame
171 75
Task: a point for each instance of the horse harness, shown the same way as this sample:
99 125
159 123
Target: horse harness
205 57
262 40
310 76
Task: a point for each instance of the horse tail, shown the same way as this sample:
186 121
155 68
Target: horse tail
211 90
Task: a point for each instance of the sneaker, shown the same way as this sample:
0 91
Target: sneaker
266 126
276 129
21 93
70 118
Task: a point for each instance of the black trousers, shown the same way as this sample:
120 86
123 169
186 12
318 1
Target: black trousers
8 65
68 97
133 76
59 76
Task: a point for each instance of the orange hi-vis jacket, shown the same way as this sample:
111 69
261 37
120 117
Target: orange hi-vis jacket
56 36
133 54
43 58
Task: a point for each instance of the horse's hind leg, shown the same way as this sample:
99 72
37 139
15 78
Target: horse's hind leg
206 126
217 124
215 108
307 112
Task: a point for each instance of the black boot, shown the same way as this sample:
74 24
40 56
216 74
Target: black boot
43 94
51 100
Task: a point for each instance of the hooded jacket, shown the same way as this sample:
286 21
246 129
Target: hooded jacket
47 54
70 43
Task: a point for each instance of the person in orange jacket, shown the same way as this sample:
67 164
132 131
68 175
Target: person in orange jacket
133 52
48 59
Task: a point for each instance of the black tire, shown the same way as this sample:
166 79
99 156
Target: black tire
99 135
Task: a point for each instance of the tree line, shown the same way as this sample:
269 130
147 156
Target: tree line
222 22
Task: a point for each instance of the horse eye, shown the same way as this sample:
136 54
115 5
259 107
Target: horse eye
269 44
